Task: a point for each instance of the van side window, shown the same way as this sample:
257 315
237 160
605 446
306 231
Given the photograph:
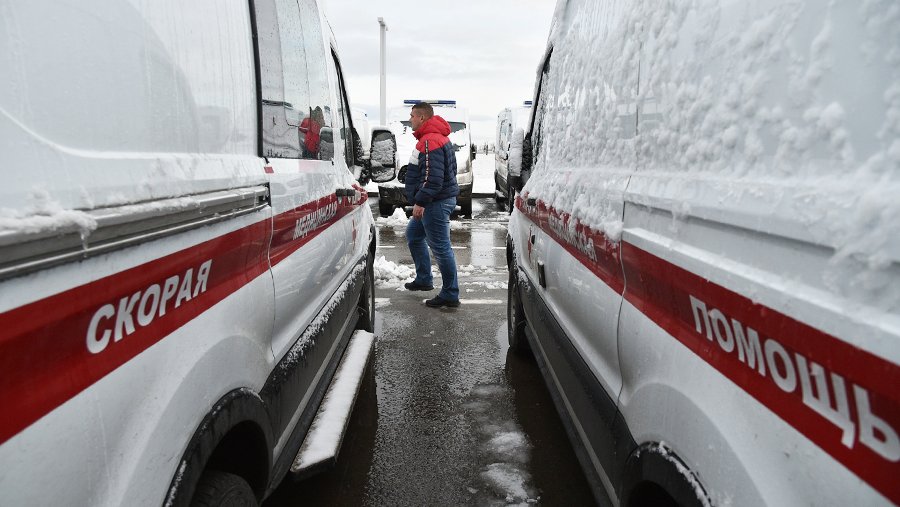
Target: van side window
278 133
293 60
540 111
345 123
316 128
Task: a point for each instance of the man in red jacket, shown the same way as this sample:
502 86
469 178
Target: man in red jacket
431 187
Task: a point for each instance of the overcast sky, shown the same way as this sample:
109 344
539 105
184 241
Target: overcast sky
483 53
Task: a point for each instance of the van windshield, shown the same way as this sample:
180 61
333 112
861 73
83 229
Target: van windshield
455 126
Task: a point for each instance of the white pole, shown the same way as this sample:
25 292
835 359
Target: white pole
383 110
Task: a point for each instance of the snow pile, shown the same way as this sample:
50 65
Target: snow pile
509 480
398 219
389 275
45 215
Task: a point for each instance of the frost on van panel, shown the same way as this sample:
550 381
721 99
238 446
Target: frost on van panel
790 109
45 215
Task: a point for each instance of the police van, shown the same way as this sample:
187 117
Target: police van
186 259
511 123
391 194
703 257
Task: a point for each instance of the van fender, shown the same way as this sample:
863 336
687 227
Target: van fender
239 418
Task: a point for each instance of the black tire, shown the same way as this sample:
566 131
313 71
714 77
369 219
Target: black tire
223 489
366 320
465 208
385 208
515 315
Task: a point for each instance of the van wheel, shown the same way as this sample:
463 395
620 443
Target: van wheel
465 208
221 488
366 320
515 316
385 208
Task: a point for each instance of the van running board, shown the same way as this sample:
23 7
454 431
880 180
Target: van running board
323 441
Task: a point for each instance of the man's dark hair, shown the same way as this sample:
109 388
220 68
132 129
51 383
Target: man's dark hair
425 109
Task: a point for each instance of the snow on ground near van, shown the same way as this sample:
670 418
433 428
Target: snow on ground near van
398 219
390 275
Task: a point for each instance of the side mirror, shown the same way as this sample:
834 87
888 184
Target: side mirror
383 155
473 149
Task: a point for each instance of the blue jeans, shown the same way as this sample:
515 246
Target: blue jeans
434 229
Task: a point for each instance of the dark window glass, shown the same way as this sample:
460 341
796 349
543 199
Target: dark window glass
278 137
544 96
345 121
293 61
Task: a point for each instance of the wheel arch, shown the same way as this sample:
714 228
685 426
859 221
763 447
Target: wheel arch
235 437
653 467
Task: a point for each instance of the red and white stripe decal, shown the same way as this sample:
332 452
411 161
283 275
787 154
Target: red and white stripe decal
54 348
842 398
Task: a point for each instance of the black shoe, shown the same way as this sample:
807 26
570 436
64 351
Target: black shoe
437 302
417 286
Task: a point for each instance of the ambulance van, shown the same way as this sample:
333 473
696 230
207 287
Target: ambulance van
704 258
186 260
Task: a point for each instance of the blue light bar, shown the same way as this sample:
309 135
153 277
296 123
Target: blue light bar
527 103
434 102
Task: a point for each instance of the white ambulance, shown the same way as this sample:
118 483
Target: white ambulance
705 255
184 251
511 123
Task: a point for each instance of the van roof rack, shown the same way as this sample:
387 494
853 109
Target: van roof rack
441 102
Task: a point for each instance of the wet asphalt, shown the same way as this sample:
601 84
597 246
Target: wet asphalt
447 414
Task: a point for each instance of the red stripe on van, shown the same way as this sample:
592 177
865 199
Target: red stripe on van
44 355
591 248
297 227
43 351
662 291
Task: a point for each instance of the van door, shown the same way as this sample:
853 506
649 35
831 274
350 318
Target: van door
573 203
297 120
